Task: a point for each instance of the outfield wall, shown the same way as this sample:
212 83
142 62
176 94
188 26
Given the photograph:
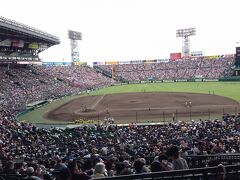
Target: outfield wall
172 80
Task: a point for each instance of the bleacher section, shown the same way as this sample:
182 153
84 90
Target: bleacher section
210 146
22 85
198 67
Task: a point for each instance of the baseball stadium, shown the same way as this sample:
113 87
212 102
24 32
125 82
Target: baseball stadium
132 118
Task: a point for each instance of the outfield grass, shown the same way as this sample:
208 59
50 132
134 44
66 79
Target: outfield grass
227 89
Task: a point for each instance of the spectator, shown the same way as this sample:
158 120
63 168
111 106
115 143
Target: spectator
8 168
127 168
177 161
156 166
31 174
59 164
109 168
64 174
165 165
75 172
100 171
139 166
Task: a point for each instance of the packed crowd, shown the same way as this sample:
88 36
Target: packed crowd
197 67
22 85
100 151
84 77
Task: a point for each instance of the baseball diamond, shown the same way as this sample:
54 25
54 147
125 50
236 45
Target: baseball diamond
148 106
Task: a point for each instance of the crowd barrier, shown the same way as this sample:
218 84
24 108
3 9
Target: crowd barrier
230 172
209 160
10 177
194 161
227 168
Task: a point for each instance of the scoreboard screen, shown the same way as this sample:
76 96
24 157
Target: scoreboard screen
74 35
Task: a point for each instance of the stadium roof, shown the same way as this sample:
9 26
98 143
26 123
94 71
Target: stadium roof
26 31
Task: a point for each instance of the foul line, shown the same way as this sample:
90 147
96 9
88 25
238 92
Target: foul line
98 101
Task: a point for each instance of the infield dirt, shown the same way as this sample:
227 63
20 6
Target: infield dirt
132 107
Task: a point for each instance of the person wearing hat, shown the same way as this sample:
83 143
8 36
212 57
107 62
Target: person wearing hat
100 171
31 174
127 168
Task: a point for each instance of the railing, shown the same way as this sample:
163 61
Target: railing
204 160
10 177
230 172
197 171
194 161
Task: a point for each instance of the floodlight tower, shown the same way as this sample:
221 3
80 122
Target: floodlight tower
185 34
74 36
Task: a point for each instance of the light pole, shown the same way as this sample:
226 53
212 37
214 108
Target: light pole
185 34
74 36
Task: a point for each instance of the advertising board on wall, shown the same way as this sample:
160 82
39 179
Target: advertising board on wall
175 56
197 54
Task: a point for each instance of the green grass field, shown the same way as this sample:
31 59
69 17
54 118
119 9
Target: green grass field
227 89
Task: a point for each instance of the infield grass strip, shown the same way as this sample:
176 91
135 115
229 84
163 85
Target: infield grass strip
37 116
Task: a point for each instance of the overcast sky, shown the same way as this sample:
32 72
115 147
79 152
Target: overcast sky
130 29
